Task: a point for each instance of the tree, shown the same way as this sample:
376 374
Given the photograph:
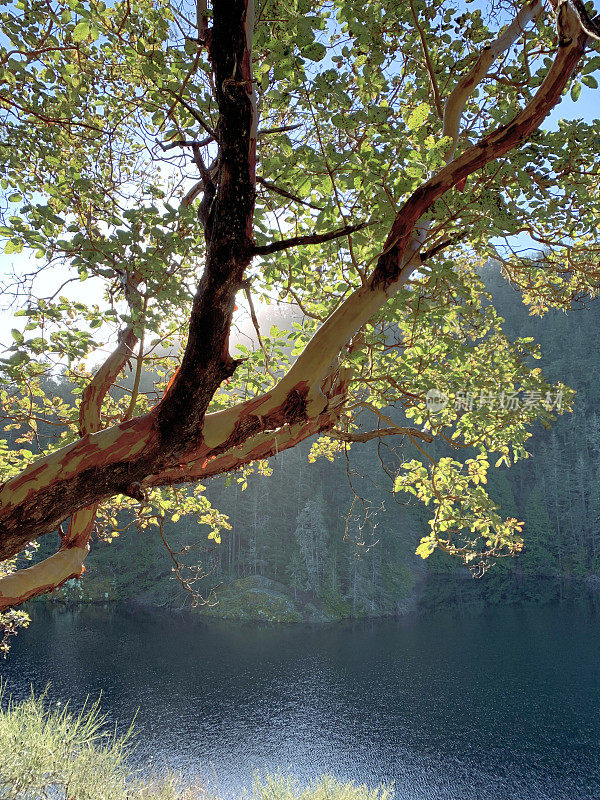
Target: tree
311 537
359 165
539 560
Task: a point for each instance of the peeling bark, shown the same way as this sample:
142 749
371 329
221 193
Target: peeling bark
67 563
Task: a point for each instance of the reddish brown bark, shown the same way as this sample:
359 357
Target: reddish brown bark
493 146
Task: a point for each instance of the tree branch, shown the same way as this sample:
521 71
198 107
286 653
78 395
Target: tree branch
280 129
157 446
194 113
67 563
284 193
270 435
439 246
254 318
455 103
186 143
429 65
367 436
397 262
228 225
310 238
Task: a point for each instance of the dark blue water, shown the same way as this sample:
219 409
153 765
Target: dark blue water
503 704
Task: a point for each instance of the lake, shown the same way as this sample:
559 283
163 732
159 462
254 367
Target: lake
499 704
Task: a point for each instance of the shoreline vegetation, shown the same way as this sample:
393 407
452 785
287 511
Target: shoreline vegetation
250 599
259 600
50 750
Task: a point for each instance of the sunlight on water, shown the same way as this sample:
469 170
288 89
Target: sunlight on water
499 705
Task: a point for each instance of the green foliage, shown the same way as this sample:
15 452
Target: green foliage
97 187
254 599
554 492
10 623
48 750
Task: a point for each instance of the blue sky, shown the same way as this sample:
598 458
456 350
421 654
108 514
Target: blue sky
587 108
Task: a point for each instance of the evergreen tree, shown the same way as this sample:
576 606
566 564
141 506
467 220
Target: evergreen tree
311 536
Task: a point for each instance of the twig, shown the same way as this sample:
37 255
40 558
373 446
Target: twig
282 129
195 114
248 294
366 436
137 379
437 248
311 238
185 143
285 193
434 86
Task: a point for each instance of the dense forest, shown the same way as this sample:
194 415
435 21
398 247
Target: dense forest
318 539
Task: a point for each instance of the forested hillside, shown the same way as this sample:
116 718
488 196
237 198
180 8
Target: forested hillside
288 527
298 548
557 492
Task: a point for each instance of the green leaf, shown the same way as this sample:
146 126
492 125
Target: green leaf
315 51
13 247
575 91
418 116
81 31
426 547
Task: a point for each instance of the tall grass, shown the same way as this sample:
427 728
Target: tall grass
48 752
283 787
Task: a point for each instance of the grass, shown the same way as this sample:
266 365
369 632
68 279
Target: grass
326 787
49 752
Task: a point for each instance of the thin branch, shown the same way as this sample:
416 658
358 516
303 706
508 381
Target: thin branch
248 294
186 584
437 248
186 143
282 129
430 70
208 187
137 379
195 114
192 70
311 238
366 436
284 193
209 139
